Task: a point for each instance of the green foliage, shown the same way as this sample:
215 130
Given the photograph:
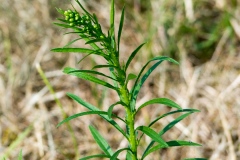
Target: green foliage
105 45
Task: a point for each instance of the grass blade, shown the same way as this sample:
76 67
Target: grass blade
151 133
133 54
102 143
165 101
121 26
93 108
89 78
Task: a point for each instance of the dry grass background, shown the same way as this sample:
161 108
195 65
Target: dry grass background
202 35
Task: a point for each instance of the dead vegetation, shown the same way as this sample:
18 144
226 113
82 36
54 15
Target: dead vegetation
203 36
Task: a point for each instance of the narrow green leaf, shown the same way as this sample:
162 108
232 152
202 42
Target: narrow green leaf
137 86
73 70
131 77
95 156
169 126
129 155
120 27
151 133
173 143
80 50
60 10
102 143
84 9
71 42
89 78
165 101
93 108
173 112
112 15
132 56
100 113
65 25
110 109
115 155
94 40
104 66
112 30
169 113
84 58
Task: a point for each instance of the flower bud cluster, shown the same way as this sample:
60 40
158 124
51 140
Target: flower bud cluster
84 22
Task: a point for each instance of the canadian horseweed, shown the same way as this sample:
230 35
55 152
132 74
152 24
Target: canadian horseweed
107 46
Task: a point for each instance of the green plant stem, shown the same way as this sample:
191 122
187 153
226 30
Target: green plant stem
130 119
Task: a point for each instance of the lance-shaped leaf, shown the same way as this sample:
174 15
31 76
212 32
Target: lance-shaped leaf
94 40
165 101
169 126
120 27
100 113
79 50
102 143
173 143
93 108
89 78
73 70
132 56
115 155
71 42
110 109
95 156
173 112
167 114
151 133
137 86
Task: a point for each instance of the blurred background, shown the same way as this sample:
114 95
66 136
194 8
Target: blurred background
202 35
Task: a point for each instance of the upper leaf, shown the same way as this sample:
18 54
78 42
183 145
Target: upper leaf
88 77
165 101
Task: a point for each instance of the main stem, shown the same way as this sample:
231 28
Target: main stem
130 117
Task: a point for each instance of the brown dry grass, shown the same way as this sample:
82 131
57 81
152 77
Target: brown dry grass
207 79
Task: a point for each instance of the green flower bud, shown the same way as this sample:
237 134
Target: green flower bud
71 24
67 18
95 26
69 11
71 15
71 20
65 13
76 18
101 36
